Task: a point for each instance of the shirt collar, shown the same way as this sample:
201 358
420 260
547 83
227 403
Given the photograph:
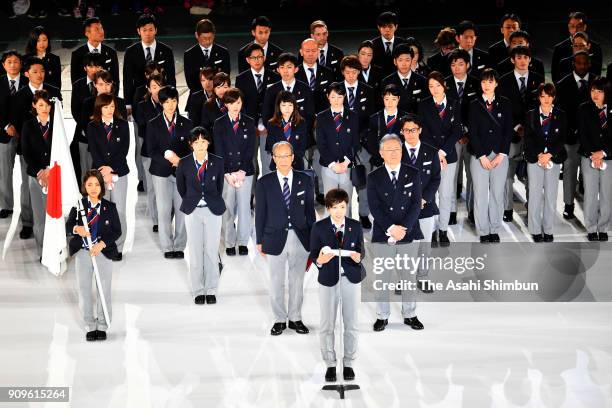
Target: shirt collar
417 147
40 123
443 101
324 48
347 86
464 80
389 114
517 76
90 204
260 72
91 47
196 160
506 43
153 45
206 48
281 178
577 78
166 120
341 111
405 77
290 85
552 108
484 98
339 227
385 41
265 47
307 68
35 89
396 169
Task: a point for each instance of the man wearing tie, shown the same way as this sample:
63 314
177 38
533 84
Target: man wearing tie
412 86
384 45
329 55
466 38
261 27
283 220
394 195
384 122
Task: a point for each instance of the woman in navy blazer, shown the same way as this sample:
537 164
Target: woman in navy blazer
214 108
39 45
199 180
104 229
234 140
287 125
544 144
167 141
36 139
108 137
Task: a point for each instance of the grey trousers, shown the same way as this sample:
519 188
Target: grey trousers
362 193
514 157
7 161
292 260
446 191
316 166
85 157
570 173
168 199
118 195
543 187
463 162
382 250
203 236
39 211
332 180
488 195
427 228
139 163
597 196
264 156
238 204
86 283
329 298
149 187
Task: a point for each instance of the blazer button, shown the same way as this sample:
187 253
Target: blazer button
286 229
402 208
391 209
337 143
239 163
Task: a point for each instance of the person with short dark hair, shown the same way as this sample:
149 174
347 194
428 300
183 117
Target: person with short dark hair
197 99
418 61
199 181
287 125
384 122
214 107
446 42
370 74
206 53
328 56
580 42
337 248
412 86
520 38
384 45
466 38
261 27
544 141
39 45
104 228
508 24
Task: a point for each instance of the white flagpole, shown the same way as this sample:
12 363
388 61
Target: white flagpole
17 180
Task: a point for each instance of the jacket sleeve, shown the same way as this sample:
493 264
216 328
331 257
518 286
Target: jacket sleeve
474 131
97 158
191 72
322 142
508 130
218 136
315 244
260 211
153 147
72 221
412 215
181 184
376 205
125 141
583 131
455 132
115 223
530 146
429 192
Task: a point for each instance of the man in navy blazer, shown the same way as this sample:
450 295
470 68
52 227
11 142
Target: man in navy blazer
283 220
394 195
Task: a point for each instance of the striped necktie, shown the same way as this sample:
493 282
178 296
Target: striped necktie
93 217
287 129
206 55
108 129
489 106
394 178
603 119
388 48
523 86
12 87
338 232
312 82
44 129
460 89
351 96
405 80
441 110
337 121
258 82
286 192
546 119
412 155
391 119
222 107
201 172
172 129
322 58
235 124
148 57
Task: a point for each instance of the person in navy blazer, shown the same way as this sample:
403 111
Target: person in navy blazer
412 86
370 74
167 141
384 122
340 276
104 229
384 45
39 45
199 181
395 198
261 27
521 38
441 128
287 125
446 42
214 108
328 55
234 140
508 24
322 78
544 150
283 220
197 99
466 38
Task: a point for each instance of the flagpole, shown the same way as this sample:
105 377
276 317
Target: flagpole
95 264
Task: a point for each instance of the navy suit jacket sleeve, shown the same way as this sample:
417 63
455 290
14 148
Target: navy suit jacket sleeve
260 211
376 204
412 215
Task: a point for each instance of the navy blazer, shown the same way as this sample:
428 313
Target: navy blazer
490 132
145 112
35 150
111 153
194 105
471 91
377 128
536 65
159 140
428 164
21 104
553 141
498 52
380 58
80 92
110 63
564 49
210 113
252 104
323 235
508 87
272 54
375 77
333 146
480 61
188 184
272 218
364 107
237 149
299 141
303 96
592 137
441 133
569 97
194 61
323 79
5 105
87 108
109 227
399 206
439 62
410 96
53 68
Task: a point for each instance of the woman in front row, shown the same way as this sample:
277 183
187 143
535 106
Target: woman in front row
104 228
199 180
108 137
545 132
596 151
287 125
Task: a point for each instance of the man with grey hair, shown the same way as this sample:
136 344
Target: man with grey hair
394 195
284 216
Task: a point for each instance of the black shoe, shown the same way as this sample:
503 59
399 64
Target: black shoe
117 257
169 255
548 238
452 220
320 199
230 251
568 212
508 215
140 186
494 238
537 237
299 327
25 233
593 237
434 237
100 335
91 336
242 250
424 289
471 217
155 228
414 323
379 324
278 328
330 374
211 299
199 300
5 213
484 239
348 374
603 236
365 222
179 254
444 242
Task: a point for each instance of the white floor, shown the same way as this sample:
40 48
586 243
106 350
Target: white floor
165 351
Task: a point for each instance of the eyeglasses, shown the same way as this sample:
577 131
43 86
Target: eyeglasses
411 130
258 57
